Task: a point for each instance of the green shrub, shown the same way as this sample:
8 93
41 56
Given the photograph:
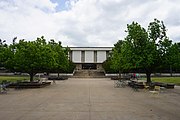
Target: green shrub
107 67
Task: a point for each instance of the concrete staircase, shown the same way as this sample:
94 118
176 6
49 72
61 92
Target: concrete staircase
89 74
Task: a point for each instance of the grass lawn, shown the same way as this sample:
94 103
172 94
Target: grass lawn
13 78
175 80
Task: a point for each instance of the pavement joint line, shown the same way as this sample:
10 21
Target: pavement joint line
89 100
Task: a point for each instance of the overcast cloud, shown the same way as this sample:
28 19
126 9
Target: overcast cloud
84 22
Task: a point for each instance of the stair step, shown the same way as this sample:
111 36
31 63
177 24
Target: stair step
89 74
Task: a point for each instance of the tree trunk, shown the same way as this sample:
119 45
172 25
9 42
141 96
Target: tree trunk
148 75
171 70
119 74
58 74
32 76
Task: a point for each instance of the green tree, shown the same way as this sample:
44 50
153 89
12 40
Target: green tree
171 58
118 58
5 53
31 57
142 49
60 57
36 56
107 66
167 52
2 50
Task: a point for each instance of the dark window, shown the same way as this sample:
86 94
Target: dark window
89 66
82 56
95 56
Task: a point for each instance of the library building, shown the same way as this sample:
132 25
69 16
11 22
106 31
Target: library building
89 57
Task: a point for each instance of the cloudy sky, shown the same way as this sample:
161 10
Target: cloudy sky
84 22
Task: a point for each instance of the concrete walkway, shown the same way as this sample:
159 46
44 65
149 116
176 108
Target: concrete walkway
88 99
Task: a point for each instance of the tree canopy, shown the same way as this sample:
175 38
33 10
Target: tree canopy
4 53
37 56
144 49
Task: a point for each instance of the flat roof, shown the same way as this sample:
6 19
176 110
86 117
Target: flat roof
92 48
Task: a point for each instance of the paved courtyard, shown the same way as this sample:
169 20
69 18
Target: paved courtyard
88 99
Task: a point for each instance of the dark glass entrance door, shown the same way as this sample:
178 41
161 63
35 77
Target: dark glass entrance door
89 66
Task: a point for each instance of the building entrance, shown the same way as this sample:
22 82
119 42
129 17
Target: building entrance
89 66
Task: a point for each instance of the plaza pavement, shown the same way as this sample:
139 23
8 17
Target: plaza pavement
88 99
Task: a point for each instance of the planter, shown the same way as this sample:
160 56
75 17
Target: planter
28 85
166 85
57 78
122 78
114 78
136 85
170 86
